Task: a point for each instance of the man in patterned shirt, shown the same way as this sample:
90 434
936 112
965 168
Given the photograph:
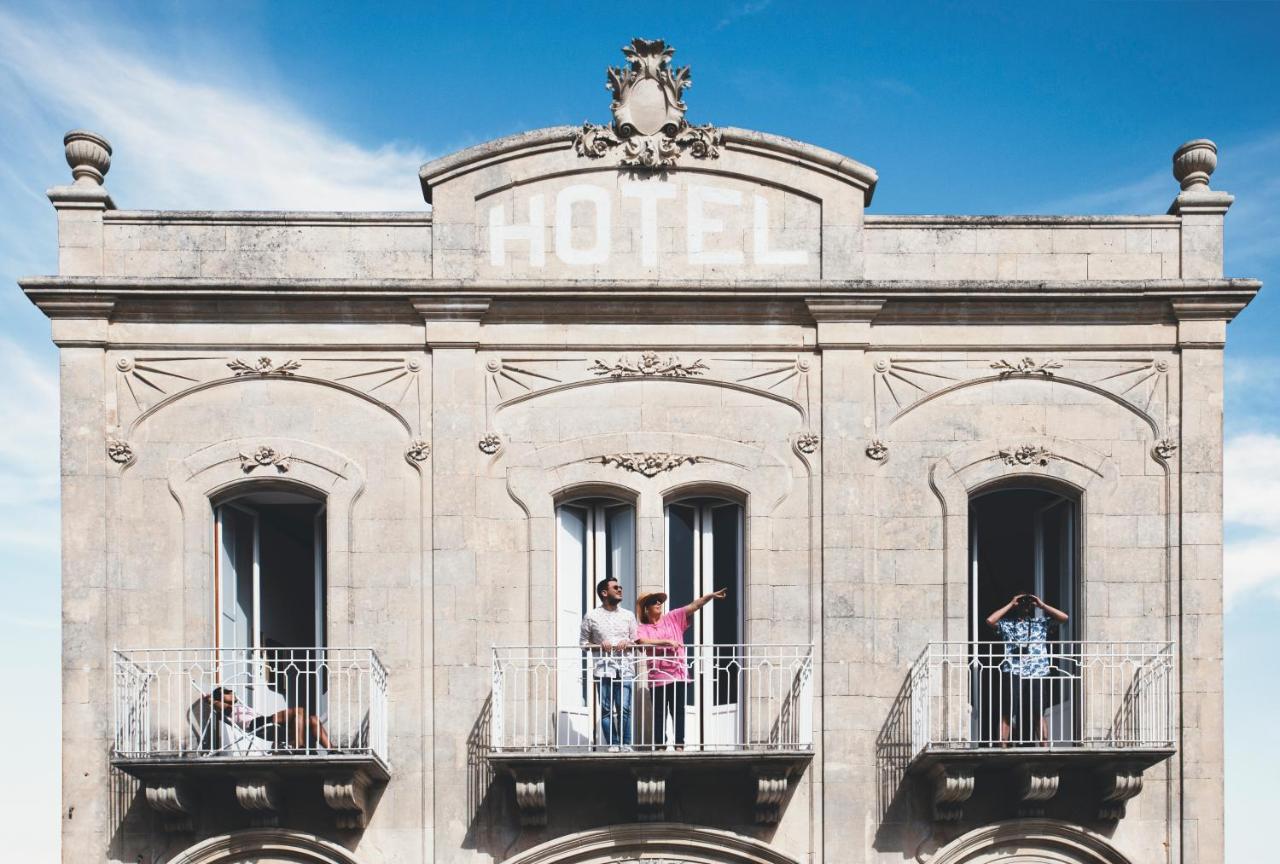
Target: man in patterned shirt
609 631
1024 684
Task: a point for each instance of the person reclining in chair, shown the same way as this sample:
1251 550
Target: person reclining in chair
294 726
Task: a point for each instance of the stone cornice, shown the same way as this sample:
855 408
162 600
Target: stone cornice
600 289
264 217
467 300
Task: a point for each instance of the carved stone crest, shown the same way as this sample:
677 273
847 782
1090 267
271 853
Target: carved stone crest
490 443
808 442
1027 454
648 464
1165 448
262 366
419 450
265 457
1026 366
119 451
878 451
649 364
648 113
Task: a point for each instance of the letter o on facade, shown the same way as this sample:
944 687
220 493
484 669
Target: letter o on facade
602 206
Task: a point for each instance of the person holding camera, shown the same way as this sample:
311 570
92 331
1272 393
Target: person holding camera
1024 689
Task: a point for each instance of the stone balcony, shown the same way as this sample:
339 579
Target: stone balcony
253 726
968 733
748 723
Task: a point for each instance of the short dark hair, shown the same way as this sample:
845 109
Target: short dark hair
216 695
603 584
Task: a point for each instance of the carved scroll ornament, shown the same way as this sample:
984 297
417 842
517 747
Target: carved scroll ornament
263 366
649 364
265 457
1027 454
648 464
649 124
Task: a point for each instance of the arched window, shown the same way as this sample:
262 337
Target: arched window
595 540
1025 674
1023 539
270 595
705 553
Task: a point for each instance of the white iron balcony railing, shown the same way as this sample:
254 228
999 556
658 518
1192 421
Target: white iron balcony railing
717 699
1078 695
288 703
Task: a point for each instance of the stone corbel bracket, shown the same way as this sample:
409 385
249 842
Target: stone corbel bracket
175 804
771 792
651 794
1118 785
347 796
531 797
952 786
261 797
1037 784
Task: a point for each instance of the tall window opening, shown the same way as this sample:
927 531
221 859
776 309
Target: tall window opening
1022 540
704 554
270 596
595 540
1026 669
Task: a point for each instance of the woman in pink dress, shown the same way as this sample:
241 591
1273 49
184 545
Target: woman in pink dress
663 638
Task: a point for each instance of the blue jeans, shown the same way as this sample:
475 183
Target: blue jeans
615 710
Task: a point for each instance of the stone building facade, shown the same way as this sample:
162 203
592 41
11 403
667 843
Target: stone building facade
367 468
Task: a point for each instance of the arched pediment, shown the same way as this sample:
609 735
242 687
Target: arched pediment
265 846
593 203
1029 841
668 842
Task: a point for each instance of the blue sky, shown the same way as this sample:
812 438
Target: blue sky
962 108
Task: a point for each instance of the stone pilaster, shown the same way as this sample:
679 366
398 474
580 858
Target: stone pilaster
846 645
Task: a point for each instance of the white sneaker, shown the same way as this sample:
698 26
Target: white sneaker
613 748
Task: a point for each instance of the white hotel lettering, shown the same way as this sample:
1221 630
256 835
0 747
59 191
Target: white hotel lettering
706 209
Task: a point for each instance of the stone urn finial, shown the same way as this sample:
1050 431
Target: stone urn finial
1193 162
89 156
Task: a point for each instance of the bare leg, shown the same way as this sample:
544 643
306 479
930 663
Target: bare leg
318 732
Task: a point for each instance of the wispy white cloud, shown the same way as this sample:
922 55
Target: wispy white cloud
1251 510
1150 194
188 139
738 11
29 433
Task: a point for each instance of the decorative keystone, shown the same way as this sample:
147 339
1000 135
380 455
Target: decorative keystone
347 796
1037 784
651 795
89 156
531 798
771 791
173 801
261 798
952 786
1193 163
1118 785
